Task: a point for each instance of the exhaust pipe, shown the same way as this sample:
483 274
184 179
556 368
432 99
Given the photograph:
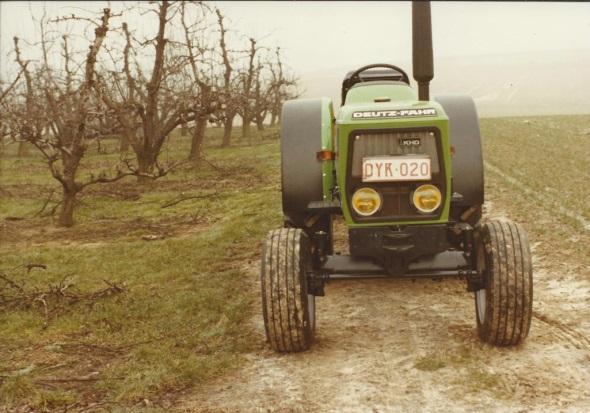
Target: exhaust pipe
423 66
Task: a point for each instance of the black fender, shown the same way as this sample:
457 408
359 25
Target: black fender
306 129
467 160
301 172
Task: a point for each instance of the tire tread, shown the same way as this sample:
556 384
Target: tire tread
284 293
509 284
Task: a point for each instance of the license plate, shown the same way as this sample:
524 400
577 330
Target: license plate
396 168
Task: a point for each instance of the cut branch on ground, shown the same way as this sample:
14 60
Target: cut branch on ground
182 197
51 300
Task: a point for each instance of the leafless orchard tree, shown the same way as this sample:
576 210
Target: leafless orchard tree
138 90
7 99
229 108
253 90
284 87
177 91
58 111
263 88
260 98
206 100
247 78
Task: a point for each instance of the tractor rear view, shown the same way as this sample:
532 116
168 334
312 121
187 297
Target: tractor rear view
406 174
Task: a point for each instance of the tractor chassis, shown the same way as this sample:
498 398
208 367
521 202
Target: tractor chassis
454 261
347 267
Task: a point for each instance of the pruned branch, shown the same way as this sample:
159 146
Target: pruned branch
51 300
182 197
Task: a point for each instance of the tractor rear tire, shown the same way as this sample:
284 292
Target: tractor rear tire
504 306
287 307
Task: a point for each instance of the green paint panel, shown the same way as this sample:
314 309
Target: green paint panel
402 97
327 145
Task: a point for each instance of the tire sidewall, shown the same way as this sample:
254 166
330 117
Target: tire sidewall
483 247
508 282
305 265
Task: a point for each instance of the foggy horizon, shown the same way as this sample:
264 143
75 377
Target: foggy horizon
482 48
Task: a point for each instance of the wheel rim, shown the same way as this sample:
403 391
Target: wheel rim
311 311
480 295
480 302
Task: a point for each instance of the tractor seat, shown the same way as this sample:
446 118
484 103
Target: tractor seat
369 76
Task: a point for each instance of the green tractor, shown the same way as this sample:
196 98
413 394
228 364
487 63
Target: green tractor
406 174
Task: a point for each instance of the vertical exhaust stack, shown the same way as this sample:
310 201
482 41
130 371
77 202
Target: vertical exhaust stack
423 66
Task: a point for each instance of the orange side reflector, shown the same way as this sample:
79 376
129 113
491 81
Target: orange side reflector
325 156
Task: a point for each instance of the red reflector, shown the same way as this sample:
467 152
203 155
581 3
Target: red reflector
325 156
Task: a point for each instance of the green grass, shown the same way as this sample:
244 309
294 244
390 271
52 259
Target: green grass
430 363
549 154
468 375
180 320
462 356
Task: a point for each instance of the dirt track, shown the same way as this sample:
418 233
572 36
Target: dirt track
403 346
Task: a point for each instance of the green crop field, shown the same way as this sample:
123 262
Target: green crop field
550 155
537 170
148 299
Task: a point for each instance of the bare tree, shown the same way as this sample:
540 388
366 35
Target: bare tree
148 110
8 101
262 96
205 103
59 114
229 109
277 81
247 78
283 87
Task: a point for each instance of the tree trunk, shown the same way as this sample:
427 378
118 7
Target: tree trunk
184 129
123 143
197 139
66 214
23 149
228 125
273 118
260 123
146 161
246 127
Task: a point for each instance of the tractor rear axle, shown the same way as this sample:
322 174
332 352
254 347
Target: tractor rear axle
347 267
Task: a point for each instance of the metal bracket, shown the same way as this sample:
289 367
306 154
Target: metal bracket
315 284
326 207
475 280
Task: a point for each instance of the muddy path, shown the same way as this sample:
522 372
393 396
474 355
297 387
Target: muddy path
411 346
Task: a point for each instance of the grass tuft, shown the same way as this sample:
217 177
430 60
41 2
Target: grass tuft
429 363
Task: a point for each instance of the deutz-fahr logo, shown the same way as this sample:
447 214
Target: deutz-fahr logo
402 113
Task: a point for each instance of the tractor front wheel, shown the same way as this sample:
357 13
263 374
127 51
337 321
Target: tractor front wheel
504 305
287 306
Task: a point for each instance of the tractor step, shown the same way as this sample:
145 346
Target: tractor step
328 207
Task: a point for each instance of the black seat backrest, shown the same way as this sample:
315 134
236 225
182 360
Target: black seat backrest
369 76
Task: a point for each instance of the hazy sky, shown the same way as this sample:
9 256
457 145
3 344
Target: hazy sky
336 34
353 33
323 40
